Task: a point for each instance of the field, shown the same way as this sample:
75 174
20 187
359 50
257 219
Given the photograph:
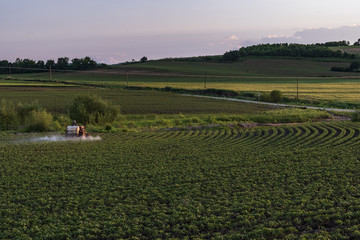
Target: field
298 181
173 166
348 49
57 99
316 81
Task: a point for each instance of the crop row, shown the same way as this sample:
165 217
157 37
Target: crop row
287 182
287 136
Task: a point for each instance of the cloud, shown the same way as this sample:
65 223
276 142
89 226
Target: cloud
229 42
108 60
233 38
311 35
348 33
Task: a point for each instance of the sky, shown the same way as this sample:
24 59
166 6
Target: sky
113 31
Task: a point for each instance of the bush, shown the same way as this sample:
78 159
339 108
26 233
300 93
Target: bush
63 120
265 97
354 66
355 116
24 110
341 69
57 126
276 96
249 94
108 127
30 116
40 121
92 109
8 116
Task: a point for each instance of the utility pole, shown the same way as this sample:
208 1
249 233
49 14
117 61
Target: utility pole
297 89
127 79
205 81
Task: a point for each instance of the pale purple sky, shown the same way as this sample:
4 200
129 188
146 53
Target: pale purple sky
115 31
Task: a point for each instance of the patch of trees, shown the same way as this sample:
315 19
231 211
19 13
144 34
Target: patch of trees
335 44
27 65
289 50
354 66
92 109
357 43
28 117
34 118
144 59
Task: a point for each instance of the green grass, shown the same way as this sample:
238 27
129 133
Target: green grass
131 102
348 49
260 67
144 122
286 182
250 66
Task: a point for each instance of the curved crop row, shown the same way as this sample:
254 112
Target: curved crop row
298 136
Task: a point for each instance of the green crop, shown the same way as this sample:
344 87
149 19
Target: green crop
296 181
58 99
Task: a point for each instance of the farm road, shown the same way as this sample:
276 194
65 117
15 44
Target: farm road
272 104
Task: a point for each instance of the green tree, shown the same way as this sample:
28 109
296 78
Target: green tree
50 63
88 63
62 63
40 64
231 55
276 96
354 66
92 109
83 64
143 59
5 66
28 63
76 64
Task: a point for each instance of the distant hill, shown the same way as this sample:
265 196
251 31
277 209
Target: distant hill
323 50
251 66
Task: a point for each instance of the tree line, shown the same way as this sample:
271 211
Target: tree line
289 50
354 67
63 63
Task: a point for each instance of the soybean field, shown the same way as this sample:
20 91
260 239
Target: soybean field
271 182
